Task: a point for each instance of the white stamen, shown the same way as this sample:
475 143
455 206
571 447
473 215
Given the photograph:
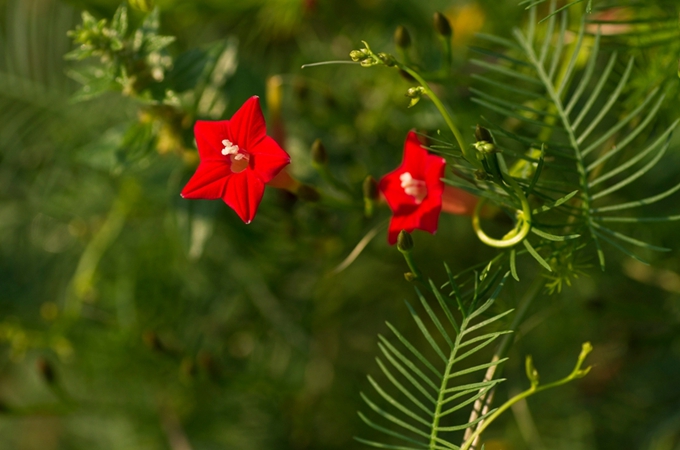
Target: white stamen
415 188
230 149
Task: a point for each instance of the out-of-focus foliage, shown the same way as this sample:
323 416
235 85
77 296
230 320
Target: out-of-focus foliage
131 319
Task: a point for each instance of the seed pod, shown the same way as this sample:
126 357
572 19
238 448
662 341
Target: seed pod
402 38
442 25
387 59
319 155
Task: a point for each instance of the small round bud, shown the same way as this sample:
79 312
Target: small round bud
404 241
481 175
482 134
357 55
370 188
319 155
442 25
486 147
387 59
402 38
413 92
46 370
410 277
308 193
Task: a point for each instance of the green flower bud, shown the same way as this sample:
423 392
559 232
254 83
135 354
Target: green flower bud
371 194
415 94
482 134
404 241
486 147
481 175
532 373
387 59
370 188
442 25
358 55
319 155
402 38
410 277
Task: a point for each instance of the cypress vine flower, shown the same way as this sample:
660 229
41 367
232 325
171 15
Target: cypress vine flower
414 190
237 160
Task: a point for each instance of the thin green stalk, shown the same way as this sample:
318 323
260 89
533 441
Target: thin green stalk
535 388
468 152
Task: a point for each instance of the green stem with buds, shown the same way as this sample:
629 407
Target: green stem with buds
467 150
534 389
524 220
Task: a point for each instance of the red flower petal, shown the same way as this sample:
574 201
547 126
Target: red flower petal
397 198
247 126
209 181
209 136
268 158
415 156
243 194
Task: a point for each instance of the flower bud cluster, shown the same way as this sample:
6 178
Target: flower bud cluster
484 142
367 58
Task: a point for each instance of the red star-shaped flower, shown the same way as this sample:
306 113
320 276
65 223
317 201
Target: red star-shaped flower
237 159
414 190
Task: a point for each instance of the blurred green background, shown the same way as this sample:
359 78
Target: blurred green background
195 331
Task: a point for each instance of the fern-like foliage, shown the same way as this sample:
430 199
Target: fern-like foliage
562 120
420 393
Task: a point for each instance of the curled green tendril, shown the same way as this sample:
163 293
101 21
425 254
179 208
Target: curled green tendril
520 231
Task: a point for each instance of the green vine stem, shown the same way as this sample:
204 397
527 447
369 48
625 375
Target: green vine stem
468 152
535 388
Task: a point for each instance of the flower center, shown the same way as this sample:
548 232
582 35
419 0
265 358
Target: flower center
239 157
415 188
